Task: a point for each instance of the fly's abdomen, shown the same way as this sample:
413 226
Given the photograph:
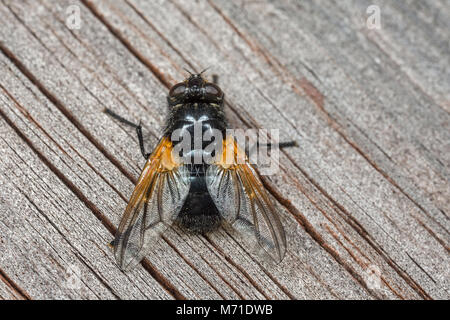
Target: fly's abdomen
195 131
199 214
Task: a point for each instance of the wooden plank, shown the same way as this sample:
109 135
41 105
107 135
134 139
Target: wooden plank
106 11
170 265
47 224
367 190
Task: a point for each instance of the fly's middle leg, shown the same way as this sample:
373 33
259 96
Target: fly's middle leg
138 128
280 145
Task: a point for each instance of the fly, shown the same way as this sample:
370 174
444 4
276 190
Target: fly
200 197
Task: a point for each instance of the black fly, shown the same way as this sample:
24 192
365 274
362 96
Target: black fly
198 196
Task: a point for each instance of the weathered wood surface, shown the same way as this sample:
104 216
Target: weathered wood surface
368 188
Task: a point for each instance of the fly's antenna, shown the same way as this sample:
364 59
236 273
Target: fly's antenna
204 70
190 73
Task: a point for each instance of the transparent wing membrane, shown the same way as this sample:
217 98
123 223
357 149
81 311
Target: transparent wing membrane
153 206
244 204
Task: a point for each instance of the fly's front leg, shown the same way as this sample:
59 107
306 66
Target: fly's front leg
141 141
138 128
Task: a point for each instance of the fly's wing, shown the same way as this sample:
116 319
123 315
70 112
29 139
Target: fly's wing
155 203
243 202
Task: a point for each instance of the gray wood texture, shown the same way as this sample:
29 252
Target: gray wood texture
364 199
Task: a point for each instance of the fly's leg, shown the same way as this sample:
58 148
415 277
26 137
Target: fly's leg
138 128
117 117
280 145
141 141
215 79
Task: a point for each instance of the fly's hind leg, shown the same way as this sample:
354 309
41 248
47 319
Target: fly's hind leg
138 128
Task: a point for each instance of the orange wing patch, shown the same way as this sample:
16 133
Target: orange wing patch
154 204
231 155
163 156
241 198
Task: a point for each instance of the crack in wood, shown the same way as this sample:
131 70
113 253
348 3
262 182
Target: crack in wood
105 221
13 286
301 86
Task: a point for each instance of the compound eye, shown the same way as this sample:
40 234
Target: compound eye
177 89
212 89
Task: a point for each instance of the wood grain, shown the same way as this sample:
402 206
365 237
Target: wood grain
366 191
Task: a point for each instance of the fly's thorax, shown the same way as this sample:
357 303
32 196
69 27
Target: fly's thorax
196 131
188 116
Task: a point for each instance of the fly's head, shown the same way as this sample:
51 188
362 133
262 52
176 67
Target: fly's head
195 89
